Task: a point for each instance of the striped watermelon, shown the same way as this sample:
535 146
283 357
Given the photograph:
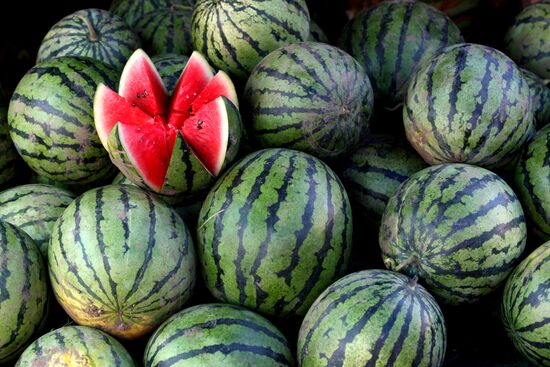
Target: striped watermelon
526 306
459 228
133 10
51 120
528 42
469 104
166 30
235 35
34 208
274 232
121 260
531 182
540 97
169 67
9 158
218 335
373 173
75 346
23 291
392 39
316 33
311 97
373 318
94 33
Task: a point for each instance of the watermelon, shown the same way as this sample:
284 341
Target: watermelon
311 97
373 318
235 36
23 291
169 67
373 173
218 335
166 30
94 33
526 306
76 346
9 158
459 228
531 182
274 232
392 39
50 120
469 104
34 208
316 33
169 145
133 10
121 260
528 42
540 97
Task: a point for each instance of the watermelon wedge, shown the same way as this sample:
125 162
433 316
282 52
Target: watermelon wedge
170 145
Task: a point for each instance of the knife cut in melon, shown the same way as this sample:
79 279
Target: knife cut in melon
145 122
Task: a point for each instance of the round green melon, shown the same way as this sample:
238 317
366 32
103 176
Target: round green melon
526 306
469 104
274 232
51 120
540 97
133 10
235 36
34 208
23 291
170 67
121 260
392 39
75 346
528 41
311 97
373 318
459 228
218 335
9 158
93 33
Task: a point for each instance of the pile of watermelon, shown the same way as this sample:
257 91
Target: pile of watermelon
220 183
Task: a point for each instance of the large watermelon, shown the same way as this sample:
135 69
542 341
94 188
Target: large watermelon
23 291
311 97
75 346
528 42
34 208
373 318
218 335
51 120
274 232
392 39
9 157
459 228
121 260
94 33
169 145
235 35
133 10
170 67
469 104
540 97
526 306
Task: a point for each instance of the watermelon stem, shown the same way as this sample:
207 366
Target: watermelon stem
92 36
413 259
210 218
413 282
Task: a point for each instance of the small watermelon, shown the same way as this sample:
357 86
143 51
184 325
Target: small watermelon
75 346
169 67
9 158
540 98
373 318
133 10
94 33
169 145
218 335
526 306
317 34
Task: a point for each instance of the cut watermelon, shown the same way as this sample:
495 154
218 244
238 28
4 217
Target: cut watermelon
139 126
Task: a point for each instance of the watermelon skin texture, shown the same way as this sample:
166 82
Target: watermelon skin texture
170 67
112 43
9 158
392 39
121 260
217 335
459 228
540 97
531 183
133 10
23 291
34 208
311 97
373 318
457 110
235 36
274 232
51 120
528 42
526 306
76 346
